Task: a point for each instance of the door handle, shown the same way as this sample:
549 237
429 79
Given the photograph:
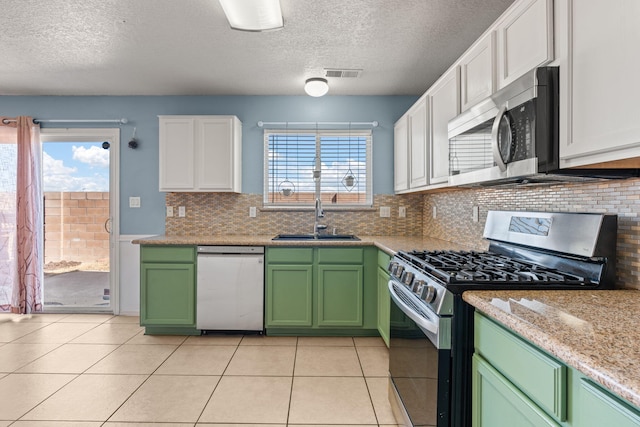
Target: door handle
107 225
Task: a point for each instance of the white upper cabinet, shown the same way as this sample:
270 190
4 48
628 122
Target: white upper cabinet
200 153
478 71
411 149
599 86
401 154
524 39
418 148
445 105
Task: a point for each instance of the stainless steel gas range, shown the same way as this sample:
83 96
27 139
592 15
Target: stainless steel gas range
431 331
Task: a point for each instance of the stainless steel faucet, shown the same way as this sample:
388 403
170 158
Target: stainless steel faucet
319 213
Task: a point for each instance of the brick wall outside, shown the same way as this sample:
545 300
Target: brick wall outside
74 226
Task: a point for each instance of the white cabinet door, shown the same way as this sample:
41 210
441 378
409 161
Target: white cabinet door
177 149
418 144
218 154
200 153
445 105
524 39
478 72
401 154
603 91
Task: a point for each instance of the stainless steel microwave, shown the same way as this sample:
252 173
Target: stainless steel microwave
510 136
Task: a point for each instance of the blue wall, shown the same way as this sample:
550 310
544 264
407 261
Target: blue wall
139 168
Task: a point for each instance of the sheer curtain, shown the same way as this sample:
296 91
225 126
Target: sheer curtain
21 223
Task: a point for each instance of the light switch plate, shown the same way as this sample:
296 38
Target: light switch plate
134 202
169 211
385 212
181 212
252 212
402 212
435 212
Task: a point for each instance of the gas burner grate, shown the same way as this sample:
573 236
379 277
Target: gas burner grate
469 267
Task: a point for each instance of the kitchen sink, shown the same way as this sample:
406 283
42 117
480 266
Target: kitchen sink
319 237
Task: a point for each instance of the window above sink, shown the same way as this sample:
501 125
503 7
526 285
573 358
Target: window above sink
343 159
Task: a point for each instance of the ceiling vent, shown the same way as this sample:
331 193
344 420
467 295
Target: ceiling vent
342 73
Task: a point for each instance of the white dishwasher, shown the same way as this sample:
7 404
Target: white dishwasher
230 288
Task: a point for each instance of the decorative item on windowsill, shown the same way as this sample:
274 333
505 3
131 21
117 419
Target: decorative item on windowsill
349 180
286 188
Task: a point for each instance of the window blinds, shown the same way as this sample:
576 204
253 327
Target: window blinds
345 159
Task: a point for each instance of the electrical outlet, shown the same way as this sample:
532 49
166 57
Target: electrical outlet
475 213
169 211
134 202
181 212
385 212
402 212
252 212
435 212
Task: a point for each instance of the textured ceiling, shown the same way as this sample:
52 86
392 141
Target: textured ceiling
185 47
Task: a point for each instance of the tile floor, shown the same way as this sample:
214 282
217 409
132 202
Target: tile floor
101 370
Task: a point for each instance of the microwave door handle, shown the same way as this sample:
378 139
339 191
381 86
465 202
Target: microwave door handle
497 157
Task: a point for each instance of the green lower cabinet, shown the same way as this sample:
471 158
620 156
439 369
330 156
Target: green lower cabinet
168 289
498 403
321 291
596 407
384 308
340 289
289 295
515 383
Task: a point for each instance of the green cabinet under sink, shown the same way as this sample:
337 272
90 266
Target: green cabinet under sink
321 291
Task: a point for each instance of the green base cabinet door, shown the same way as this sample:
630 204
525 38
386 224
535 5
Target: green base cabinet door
384 301
597 407
498 403
340 295
289 295
167 293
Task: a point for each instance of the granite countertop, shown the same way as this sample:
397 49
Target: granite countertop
595 332
389 244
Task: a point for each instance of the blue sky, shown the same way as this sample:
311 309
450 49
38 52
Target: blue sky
74 166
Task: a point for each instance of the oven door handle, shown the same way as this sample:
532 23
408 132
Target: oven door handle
427 324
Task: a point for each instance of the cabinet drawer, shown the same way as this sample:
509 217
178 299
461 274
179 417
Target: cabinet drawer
168 254
340 255
383 259
290 255
538 375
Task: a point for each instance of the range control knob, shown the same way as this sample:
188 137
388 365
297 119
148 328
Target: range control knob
407 278
399 271
417 286
428 293
392 267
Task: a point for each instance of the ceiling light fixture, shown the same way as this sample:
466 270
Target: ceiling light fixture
316 86
253 15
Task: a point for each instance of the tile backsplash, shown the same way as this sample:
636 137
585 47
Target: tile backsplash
622 197
228 213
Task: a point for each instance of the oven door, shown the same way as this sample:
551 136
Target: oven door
419 361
